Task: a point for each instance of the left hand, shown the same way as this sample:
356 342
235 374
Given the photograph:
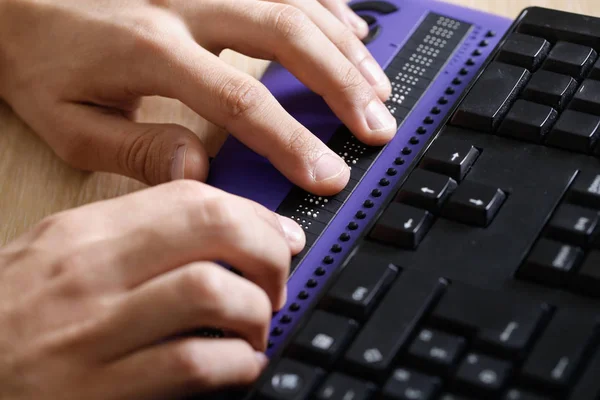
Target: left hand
340 9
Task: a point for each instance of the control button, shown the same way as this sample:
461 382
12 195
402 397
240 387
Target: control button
551 262
573 224
585 191
587 98
528 121
483 375
556 357
575 131
489 100
595 72
450 396
524 51
518 394
382 7
290 380
587 280
427 190
358 288
570 59
588 384
323 338
474 203
369 19
549 88
372 35
405 384
436 351
450 157
341 387
402 225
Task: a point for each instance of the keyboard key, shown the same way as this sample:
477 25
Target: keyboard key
554 361
491 97
549 88
551 262
359 287
585 191
528 121
290 380
518 394
402 225
436 351
524 51
500 323
587 279
392 323
383 7
450 157
573 224
323 338
595 72
575 131
588 384
408 385
483 375
450 396
587 98
427 190
570 59
341 387
474 203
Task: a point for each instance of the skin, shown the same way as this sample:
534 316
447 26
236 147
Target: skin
99 302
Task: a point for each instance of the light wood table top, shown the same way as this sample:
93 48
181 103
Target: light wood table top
35 183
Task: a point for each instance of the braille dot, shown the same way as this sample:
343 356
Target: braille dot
303 295
286 319
328 260
406 151
311 283
294 307
470 62
384 182
435 111
320 271
336 248
414 140
375 192
450 91
391 172
399 161
277 331
456 81
368 203
443 100
421 130
353 226
476 52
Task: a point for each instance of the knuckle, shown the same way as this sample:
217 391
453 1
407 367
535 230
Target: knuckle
299 142
203 287
185 359
241 96
290 22
351 81
135 155
224 217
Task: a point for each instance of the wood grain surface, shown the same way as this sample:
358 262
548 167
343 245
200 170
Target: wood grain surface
35 183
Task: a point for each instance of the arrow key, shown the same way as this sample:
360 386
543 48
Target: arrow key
426 189
474 203
450 157
402 225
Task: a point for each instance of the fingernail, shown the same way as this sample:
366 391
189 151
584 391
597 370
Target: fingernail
373 73
293 231
178 163
263 360
357 23
379 118
328 167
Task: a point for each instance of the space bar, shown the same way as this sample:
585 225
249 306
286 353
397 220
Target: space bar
388 329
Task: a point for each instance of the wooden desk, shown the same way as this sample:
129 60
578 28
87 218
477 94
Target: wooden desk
35 183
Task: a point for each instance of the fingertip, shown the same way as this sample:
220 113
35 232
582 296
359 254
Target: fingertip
189 162
293 233
357 24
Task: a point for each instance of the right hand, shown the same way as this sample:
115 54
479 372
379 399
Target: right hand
96 302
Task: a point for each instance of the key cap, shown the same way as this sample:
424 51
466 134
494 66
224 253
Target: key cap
587 279
402 225
551 263
549 88
405 384
518 394
436 351
587 98
382 7
450 396
450 157
575 131
482 375
524 51
391 324
427 190
595 72
565 26
501 324
491 97
573 224
557 354
570 59
585 191
373 34
290 380
528 121
588 384
323 338
342 387
359 287
474 204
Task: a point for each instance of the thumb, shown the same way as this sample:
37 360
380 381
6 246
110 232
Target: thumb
109 142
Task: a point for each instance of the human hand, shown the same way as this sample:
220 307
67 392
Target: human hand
75 71
95 302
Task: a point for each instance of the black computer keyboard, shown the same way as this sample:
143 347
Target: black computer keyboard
480 279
